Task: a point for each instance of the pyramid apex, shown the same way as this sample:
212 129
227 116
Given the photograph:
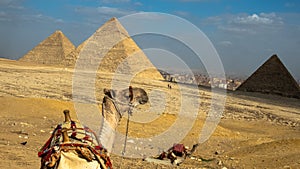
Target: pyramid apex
58 32
274 56
113 19
113 25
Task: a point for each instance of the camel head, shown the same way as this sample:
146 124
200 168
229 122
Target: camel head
123 98
134 95
117 102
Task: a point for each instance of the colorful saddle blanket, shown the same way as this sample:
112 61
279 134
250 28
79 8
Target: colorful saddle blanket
80 136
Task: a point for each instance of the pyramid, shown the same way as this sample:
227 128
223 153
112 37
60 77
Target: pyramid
272 77
113 51
51 51
71 58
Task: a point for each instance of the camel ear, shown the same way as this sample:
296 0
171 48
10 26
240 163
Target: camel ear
113 94
110 93
130 93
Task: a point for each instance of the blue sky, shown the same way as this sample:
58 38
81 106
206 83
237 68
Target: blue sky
244 32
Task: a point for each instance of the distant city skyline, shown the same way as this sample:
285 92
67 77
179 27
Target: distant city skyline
245 33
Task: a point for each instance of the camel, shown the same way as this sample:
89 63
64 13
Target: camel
75 146
114 105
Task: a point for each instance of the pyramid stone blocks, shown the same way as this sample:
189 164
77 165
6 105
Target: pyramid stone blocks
112 50
51 51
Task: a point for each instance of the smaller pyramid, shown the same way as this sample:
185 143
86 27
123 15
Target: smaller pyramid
51 51
272 77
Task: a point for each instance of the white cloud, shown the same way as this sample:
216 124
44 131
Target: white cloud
6 2
231 28
225 43
213 20
13 4
269 15
182 13
254 19
59 21
103 10
37 18
138 4
258 19
245 23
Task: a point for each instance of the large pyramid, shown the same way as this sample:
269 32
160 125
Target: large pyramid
272 77
71 58
51 51
112 49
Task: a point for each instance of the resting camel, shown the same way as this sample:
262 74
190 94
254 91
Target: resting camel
75 146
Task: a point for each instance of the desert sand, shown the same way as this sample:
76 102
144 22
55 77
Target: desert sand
255 131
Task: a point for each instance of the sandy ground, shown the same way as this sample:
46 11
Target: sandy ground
256 131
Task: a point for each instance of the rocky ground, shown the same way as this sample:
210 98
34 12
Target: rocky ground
255 131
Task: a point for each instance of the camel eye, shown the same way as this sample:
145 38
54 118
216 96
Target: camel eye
142 101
